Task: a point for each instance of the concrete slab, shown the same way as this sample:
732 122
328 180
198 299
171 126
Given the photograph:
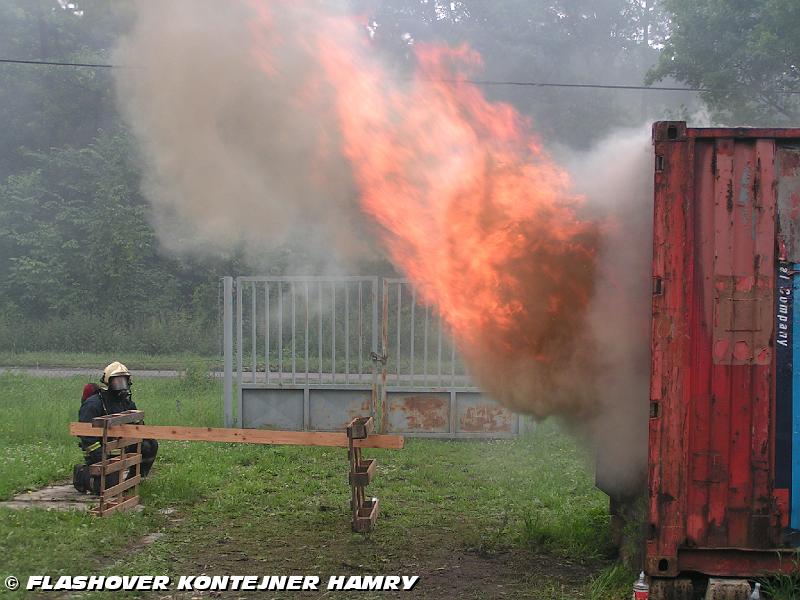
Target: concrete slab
59 496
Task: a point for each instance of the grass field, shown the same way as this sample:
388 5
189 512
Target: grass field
97 361
475 519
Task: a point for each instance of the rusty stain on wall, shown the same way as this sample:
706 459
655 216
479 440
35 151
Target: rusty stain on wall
423 412
486 418
356 410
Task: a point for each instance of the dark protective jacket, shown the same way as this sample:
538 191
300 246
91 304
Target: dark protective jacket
96 406
101 404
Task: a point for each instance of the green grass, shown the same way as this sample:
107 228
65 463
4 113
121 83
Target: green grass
523 511
785 586
612 583
97 361
35 445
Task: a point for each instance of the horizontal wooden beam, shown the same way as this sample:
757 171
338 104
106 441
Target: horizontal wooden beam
121 487
364 474
242 436
128 416
116 464
113 507
121 443
364 521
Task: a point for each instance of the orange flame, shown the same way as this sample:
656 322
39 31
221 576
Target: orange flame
470 207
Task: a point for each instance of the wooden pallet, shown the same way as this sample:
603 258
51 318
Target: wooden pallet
125 494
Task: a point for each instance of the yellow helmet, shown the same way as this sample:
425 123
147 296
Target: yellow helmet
115 369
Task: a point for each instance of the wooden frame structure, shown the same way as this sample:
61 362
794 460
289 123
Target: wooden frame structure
120 431
124 494
365 512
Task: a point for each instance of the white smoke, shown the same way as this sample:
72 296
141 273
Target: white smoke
233 156
616 176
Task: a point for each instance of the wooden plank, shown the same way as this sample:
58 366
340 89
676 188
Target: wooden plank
364 474
121 443
242 436
129 416
116 464
360 427
121 487
111 508
366 517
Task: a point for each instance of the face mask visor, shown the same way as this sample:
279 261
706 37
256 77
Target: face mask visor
119 384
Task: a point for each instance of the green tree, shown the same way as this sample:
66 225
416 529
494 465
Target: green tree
560 41
744 51
42 107
74 233
78 253
81 267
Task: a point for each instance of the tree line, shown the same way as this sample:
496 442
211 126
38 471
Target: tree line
80 265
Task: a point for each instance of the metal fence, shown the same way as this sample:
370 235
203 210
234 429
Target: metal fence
307 330
425 388
419 349
314 352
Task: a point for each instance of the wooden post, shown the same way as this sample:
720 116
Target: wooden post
103 468
365 512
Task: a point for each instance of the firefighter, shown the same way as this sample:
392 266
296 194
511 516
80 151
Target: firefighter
113 395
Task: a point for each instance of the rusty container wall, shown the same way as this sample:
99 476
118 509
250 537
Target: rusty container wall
726 242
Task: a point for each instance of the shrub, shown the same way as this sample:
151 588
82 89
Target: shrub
82 332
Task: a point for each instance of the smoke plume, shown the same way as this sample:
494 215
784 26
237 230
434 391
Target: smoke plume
616 177
231 155
268 122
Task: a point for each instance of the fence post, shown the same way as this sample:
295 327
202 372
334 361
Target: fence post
227 319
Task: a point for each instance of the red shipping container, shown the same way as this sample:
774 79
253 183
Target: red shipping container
725 401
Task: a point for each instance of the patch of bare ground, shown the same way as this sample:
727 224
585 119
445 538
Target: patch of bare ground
445 570
172 518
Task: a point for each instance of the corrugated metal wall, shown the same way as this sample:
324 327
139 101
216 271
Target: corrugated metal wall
713 410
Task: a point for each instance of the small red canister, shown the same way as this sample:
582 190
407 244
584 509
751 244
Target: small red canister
641 591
